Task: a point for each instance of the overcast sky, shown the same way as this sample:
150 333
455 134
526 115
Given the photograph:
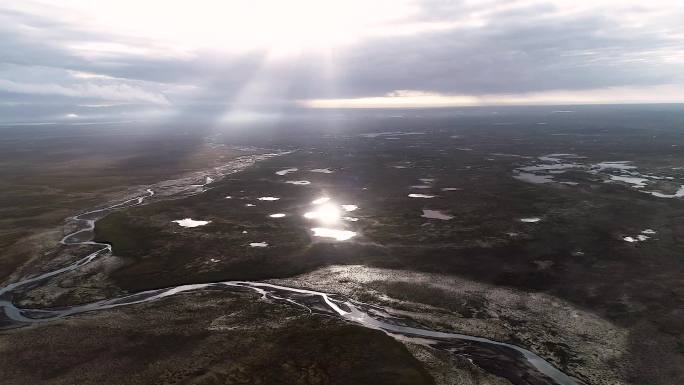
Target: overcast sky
82 59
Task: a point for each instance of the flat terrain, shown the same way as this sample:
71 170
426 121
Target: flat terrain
50 173
557 231
184 340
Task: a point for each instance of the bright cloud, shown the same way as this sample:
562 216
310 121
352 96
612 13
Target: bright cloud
232 57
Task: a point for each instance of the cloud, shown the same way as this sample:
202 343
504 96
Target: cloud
419 99
262 54
39 80
121 92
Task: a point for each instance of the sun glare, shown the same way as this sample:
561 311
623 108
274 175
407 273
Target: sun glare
327 214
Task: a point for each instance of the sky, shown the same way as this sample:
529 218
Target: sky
84 60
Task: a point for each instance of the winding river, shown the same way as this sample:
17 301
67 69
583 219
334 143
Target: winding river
518 365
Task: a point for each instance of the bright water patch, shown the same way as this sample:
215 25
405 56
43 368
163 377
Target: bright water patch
188 222
350 207
644 236
287 171
426 196
635 181
338 235
616 165
322 170
277 215
268 198
326 213
530 220
298 182
678 194
320 200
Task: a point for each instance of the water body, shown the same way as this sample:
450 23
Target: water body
336 234
327 213
286 171
349 208
616 165
373 317
612 171
189 222
426 196
678 194
635 181
320 200
268 198
322 170
436 214
533 178
390 133
530 220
